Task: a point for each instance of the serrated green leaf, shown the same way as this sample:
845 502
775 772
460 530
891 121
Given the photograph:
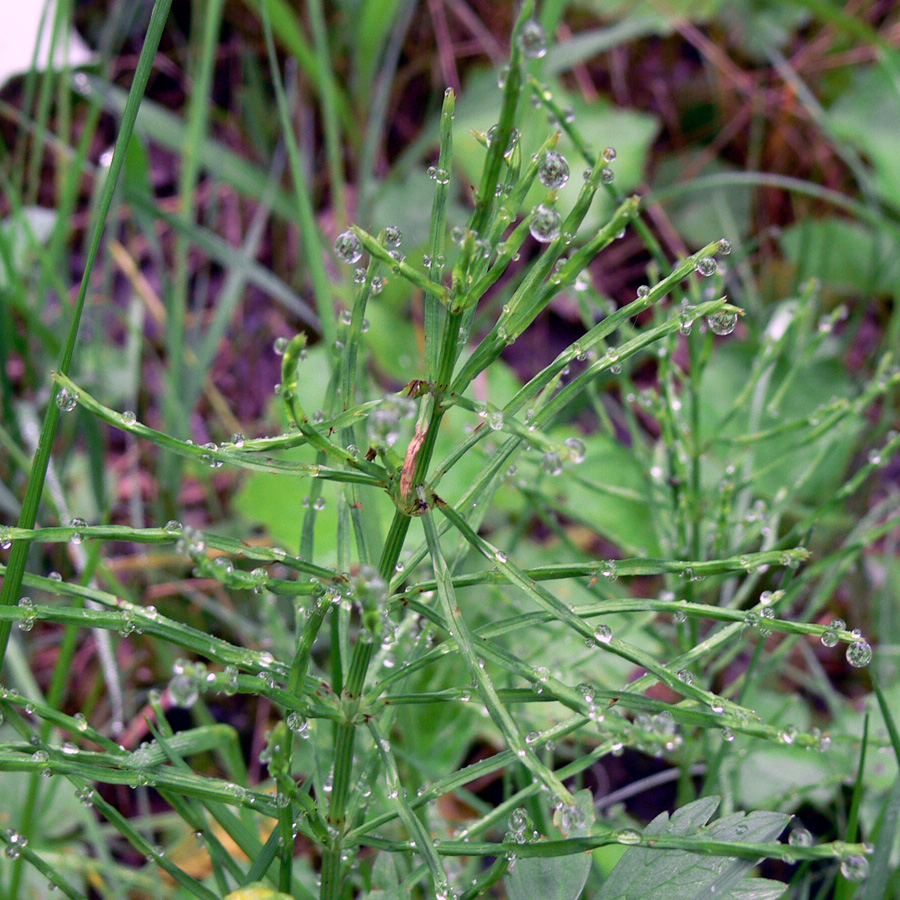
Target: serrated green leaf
645 874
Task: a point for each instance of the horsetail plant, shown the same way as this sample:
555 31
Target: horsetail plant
559 664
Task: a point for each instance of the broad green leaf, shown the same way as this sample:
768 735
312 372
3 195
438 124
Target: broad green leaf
385 881
869 261
611 488
395 893
257 891
818 382
867 115
697 216
437 736
757 889
608 494
392 341
276 503
785 775
647 874
782 774
555 878
548 878
384 872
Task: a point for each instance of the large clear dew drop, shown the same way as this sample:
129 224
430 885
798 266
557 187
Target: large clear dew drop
859 654
722 323
348 247
533 40
554 170
544 225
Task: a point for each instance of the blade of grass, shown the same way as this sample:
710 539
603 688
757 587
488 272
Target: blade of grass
378 88
287 29
223 253
176 406
305 212
16 568
168 130
881 221
331 98
232 291
880 873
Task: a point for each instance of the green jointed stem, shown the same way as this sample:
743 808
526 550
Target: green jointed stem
345 734
369 473
434 311
417 831
449 349
485 195
376 250
462 636
308 636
